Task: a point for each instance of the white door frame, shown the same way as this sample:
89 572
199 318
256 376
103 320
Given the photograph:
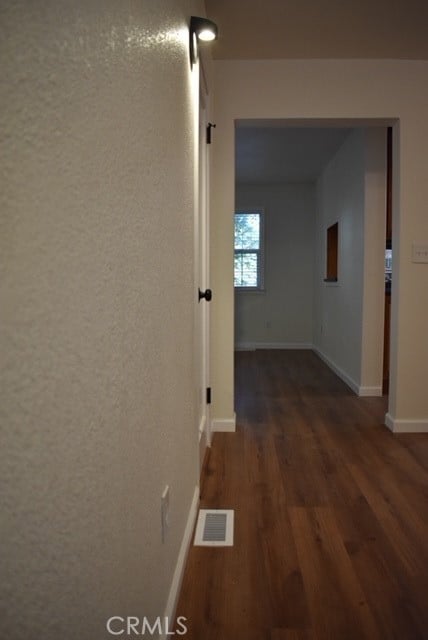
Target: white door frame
202 269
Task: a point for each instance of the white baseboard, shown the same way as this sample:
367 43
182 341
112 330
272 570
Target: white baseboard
338 371
356 388
224 424
252 346
177 579
202 427
406 426
370 391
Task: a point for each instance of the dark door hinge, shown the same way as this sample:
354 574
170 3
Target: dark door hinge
208 395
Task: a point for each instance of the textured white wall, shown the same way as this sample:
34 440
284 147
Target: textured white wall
97 295
282 314
299 90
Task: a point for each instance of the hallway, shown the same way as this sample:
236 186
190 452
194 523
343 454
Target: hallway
331 514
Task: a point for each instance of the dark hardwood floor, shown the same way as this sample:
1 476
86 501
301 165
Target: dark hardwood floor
331 514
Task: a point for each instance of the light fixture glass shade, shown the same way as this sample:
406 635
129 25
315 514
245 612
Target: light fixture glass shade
206 35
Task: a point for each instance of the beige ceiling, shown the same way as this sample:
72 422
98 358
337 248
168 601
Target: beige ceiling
258 29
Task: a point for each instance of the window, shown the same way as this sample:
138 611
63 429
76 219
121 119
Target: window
332 251
249 249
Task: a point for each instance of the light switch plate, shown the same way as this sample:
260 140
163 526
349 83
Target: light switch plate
420 253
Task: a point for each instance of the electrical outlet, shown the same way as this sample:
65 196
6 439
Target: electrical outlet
165 512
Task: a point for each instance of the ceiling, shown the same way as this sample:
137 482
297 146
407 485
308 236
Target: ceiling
272 154
255 29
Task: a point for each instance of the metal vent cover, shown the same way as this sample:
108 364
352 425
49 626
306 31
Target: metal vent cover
214 528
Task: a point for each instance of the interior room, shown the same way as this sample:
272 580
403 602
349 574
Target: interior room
141 393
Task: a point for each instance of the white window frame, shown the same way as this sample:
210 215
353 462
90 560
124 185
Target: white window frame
261 251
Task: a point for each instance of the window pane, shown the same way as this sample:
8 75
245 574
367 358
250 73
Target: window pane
246 269
247 231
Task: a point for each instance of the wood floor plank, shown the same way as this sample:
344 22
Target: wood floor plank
337 603
292 634
381 574
331 514
391 520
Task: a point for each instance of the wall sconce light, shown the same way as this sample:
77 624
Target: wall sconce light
200 29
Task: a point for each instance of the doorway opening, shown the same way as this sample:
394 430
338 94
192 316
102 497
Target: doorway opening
308 180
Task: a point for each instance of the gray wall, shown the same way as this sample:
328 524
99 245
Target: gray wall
338 323
281 315
348 318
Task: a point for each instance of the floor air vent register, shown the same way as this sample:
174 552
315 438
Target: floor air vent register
214 528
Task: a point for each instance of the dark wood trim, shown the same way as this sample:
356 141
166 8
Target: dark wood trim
387 318
389 187
332 252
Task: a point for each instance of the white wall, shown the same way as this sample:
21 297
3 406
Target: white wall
338 324
325 90
282 314
97 299
348 322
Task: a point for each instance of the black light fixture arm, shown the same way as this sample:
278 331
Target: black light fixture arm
201 29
